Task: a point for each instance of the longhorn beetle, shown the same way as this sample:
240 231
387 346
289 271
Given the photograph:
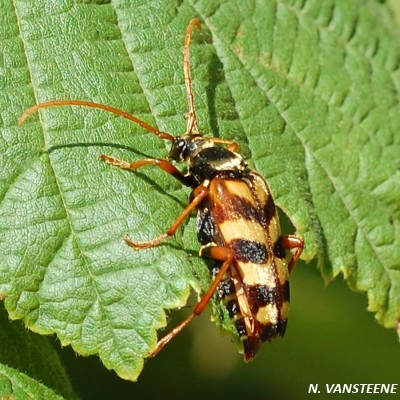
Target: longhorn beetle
237 223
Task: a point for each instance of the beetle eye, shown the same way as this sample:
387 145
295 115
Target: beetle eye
177 149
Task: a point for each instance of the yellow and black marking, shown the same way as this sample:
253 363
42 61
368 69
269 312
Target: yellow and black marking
237 224
240 214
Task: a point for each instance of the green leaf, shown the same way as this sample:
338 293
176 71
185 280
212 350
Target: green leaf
308 88
16 385
27 363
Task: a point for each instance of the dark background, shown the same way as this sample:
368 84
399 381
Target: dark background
331 338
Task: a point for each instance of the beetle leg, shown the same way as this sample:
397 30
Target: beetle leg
290 242
199 194
230 144
162 164
219 253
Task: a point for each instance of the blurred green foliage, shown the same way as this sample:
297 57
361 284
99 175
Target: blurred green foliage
331 338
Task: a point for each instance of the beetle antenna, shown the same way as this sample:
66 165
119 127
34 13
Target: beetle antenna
124 114
191 125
